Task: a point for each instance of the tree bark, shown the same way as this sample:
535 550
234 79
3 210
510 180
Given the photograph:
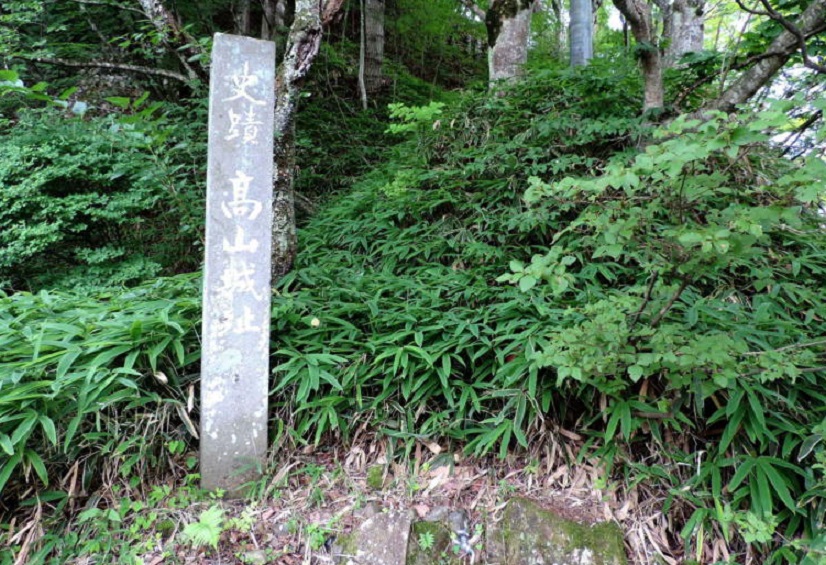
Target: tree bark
582 32
509 24
273 18
810 22
684 29
303 42
362 55
373 44
638 15
241 17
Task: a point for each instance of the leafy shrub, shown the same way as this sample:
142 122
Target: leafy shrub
88 202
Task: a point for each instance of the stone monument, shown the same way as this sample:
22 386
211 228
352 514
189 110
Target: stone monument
236 299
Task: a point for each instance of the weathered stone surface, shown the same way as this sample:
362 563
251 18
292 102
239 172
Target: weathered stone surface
530 535
380 540
441 551
236 300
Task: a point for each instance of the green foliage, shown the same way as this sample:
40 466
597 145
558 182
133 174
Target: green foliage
77 381
426 541
86 202
413 118
207 530
336 140
435 41
441 339
520 259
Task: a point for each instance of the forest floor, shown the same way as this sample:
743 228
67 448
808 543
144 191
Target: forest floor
318 494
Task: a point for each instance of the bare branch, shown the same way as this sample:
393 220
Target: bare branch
794 30
108 5
664 310
107 65
800 130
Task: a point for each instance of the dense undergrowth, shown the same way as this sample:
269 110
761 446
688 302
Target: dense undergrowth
521 262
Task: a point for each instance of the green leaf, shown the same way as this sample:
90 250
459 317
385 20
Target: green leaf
48 427
808 445
6 470
37 464
119 101
635 372
778 484
66 361
742 471
24 427
527 282
6 444
207 530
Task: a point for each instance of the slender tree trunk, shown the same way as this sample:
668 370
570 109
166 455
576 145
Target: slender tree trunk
273 18
373 44
811 21
241 17
562 29
509 25
582 32
638 15
362 55
303 42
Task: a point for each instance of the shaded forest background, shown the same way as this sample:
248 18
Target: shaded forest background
505 228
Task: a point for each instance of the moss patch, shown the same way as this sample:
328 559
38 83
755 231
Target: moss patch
531 534
375 477
441 550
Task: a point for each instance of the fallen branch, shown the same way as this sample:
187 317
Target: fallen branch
107 65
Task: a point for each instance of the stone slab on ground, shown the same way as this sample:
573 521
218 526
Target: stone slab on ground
527 534
380 540
441 549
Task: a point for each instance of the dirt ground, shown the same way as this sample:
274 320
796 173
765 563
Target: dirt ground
316 495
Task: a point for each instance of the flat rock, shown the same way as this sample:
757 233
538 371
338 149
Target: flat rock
440 548
380 540
531 535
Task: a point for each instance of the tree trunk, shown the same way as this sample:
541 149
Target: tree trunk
241 17
273 18
373 44
684 29
813 20
509 25
362 55
638 15
303 43
173 37
582 32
